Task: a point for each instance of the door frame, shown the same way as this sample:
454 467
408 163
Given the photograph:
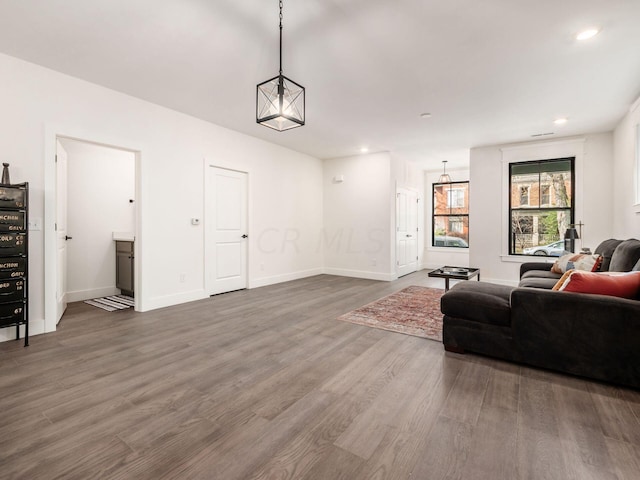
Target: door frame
61 302
208 251
52 133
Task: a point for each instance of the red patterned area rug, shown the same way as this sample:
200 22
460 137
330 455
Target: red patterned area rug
412 311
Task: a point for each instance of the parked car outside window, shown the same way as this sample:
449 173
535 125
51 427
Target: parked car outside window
446 241
555 249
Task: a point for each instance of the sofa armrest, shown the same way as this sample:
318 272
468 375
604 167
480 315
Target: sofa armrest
544 266
590 335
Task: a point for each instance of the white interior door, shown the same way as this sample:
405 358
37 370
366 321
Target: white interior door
227 230
61 230
406 231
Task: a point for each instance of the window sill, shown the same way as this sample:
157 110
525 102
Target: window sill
449 249
526 258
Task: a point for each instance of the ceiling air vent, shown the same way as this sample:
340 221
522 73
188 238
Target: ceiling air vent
542 134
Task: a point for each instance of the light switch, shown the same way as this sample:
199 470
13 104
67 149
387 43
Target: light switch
35 224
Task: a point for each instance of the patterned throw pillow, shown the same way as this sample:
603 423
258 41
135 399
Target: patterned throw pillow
562 279
577 261
616 284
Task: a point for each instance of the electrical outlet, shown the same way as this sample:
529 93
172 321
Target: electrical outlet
374 262
183 277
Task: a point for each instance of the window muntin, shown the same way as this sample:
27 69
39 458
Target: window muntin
450 215
541 205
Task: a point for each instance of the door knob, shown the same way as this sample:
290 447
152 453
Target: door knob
408 236
245 235
67 237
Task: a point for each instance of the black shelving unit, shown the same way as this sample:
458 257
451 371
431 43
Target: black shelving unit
14 264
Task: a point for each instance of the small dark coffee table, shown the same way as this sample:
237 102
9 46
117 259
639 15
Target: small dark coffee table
457 273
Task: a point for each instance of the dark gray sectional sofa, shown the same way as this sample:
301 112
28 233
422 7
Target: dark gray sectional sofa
594 336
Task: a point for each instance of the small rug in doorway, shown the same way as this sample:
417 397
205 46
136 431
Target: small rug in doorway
113 303
413 311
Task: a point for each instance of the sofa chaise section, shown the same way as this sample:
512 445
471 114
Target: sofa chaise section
595 336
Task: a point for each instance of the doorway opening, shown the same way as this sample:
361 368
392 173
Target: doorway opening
95 190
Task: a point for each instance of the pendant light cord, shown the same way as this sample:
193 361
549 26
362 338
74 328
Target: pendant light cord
280 37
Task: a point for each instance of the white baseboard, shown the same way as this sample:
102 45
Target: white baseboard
384 277
36 327
170 300
285 277
433 266
80 295
498 281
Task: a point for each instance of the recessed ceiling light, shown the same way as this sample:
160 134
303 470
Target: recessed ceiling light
560 121
587 34
364 149
425 115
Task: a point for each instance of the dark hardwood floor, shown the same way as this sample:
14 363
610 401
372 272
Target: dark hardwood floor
267 384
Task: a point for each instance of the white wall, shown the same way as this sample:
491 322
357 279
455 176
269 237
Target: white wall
358 217
38 103
488 213
100 183
285 214
626 212
360 214
435 257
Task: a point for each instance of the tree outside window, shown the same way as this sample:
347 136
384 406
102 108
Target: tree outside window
451 214
541 204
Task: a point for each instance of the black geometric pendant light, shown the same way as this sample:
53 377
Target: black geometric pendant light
280 100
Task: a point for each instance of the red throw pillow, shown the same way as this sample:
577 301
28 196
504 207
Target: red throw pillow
625 285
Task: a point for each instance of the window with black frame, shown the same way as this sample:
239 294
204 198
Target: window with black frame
541 206
450 215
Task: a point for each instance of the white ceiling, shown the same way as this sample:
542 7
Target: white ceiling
489 71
